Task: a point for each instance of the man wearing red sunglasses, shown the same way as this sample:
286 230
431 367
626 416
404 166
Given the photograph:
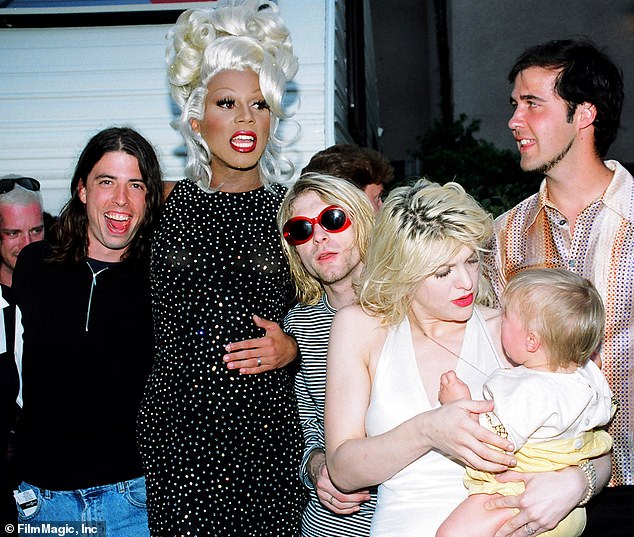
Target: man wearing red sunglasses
325 223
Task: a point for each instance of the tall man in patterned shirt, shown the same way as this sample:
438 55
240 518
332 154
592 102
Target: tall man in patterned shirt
567 98
326 223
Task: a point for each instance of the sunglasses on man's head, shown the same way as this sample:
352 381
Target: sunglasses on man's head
8 183
300 229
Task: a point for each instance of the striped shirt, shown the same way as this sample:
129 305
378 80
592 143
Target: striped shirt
536 234
310 325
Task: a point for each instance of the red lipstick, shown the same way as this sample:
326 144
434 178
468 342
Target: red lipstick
244 141
464 301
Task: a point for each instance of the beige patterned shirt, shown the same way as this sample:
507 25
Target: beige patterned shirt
535 234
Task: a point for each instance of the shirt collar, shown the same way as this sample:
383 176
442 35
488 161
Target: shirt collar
536 205
618 197
326 303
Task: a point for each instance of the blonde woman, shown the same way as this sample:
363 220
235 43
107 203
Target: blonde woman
419 317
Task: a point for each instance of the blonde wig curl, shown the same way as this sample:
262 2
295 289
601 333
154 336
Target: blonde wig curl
420 228
236 35
332 191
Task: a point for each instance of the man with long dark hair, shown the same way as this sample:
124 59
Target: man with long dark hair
88 344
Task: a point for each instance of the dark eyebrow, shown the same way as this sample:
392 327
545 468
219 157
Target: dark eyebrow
530 97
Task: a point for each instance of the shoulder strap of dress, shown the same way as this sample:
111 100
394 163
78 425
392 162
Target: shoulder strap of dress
397 343
484 329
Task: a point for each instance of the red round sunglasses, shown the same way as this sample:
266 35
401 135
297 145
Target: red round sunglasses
300 229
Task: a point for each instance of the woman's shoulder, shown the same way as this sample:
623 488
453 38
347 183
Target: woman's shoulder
357 336
358 325
272 194
278 189
355 313
168 186
493 321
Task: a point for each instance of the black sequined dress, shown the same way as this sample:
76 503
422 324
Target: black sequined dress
221 450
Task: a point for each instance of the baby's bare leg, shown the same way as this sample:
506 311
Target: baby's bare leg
472 519
452 388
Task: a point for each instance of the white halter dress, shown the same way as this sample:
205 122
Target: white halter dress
415 501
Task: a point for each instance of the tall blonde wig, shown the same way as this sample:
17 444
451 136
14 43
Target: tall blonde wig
236 35
420 228
332 191
563 309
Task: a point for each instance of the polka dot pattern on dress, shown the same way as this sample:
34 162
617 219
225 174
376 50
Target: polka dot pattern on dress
221 450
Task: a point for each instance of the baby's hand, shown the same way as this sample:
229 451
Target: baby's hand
452 388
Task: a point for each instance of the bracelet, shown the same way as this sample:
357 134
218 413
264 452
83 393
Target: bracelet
591 475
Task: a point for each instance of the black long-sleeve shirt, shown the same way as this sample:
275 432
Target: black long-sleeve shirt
87 351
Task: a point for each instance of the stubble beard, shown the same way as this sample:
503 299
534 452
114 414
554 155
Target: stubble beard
339 274
545 168
335 276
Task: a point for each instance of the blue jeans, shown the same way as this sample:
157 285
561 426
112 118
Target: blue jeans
117 510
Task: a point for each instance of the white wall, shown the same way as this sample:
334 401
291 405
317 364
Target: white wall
59 86
488 36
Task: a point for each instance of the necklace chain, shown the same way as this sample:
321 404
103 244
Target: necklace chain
456 355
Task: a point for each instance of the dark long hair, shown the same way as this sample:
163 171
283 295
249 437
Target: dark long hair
587 75
71 230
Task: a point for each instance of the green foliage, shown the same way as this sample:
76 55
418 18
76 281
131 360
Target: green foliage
491 175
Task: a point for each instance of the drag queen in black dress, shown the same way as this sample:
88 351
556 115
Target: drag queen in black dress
218 429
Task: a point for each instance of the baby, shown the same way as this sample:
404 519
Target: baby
550 406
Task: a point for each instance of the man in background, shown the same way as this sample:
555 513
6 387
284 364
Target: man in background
366 168
21 222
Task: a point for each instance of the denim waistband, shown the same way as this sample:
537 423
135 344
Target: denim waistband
120 487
